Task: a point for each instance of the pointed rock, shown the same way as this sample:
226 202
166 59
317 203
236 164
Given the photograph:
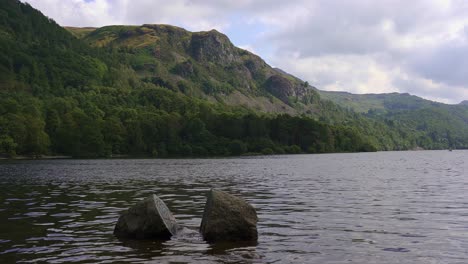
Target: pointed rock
149 218
228 218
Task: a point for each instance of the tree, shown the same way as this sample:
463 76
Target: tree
7 146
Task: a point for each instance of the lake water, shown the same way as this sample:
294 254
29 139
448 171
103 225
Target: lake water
385 207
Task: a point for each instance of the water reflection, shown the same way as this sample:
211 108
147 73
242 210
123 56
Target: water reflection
394 207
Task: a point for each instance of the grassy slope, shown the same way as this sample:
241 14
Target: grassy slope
80 32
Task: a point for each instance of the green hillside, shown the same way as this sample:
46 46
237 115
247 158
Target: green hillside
61 96
441 124
389 102
205 65
162 91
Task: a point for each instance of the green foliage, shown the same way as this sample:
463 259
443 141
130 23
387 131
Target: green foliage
8 146
154 121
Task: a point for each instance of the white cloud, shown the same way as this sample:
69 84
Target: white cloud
351 73
98 13
75 12
368 74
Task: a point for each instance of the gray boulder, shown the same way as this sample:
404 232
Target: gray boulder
228 218
149 218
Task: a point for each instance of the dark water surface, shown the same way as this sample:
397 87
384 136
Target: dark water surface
386 207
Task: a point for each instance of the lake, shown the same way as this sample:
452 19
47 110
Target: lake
384 207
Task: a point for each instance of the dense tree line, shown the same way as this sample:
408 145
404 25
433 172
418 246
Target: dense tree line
163 124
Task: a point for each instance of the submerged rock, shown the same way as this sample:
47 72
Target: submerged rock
149 218
228 218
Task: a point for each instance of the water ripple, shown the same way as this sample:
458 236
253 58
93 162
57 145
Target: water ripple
392 207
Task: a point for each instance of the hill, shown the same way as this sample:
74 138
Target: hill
162 91
59 95
362 103
205 65
442 123
208 66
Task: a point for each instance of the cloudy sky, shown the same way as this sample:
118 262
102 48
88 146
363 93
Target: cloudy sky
360 46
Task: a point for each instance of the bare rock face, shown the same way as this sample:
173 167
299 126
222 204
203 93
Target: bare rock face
280 87
213 46
228 218
149 218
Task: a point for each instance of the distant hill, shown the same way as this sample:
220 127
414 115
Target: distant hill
442 122
362 103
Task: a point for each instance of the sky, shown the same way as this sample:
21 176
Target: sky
360 46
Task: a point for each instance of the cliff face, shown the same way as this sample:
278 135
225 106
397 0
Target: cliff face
205 64
214 47
280 87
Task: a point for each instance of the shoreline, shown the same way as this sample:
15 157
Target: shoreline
42 157
245 155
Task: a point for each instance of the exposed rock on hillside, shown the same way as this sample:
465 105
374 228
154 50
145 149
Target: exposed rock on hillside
280 87
213 46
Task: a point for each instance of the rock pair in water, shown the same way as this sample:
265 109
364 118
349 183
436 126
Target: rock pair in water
226 218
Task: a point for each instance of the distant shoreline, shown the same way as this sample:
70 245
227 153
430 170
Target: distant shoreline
42 157
252 154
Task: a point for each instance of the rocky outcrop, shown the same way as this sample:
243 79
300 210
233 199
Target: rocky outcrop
149 218
212 46
228 218
285 89
280 87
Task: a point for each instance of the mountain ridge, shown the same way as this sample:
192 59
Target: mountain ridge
174 44
76 31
